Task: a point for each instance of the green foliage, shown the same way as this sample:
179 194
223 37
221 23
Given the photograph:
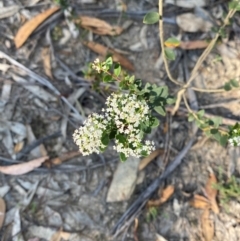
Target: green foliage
210 126
172 42
231 84
228 190
234 4
156 96
170 55
151 18
151 214
63 3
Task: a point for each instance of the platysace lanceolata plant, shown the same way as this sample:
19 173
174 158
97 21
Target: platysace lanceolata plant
129 113
127 116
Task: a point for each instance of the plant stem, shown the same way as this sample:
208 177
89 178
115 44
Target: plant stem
161 36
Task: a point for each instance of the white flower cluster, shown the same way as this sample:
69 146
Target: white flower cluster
128 112
235 140
125 113
88 137
96 65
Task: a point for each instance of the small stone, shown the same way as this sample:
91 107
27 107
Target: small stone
124 180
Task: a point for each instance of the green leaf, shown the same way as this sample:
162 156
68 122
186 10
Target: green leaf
172 42
105 139
154 122
216 121
117 69
191 117
151 18
145 128
217 136
161 91
121 138
234 5
204 125
214 131
131 79
170 54
160 110
107 78
144 153
211 123
223 140
103 149
171 100
234 83
109 61
198 123
113 134
227 86
123 158
207 133
200 113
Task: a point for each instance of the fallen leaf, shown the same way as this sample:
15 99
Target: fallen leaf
26 30
207 226
199 202
102 50
135 230
6 12
6 91
4 67
165 195
2 211
46 57
24 167
189 22
37 90
145 161
59 235
212 192
16 226
18 147
44 233
64 157
197 44
4 190
160 237
98 26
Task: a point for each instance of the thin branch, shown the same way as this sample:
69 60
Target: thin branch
161 36
199 63
188 107
208 49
